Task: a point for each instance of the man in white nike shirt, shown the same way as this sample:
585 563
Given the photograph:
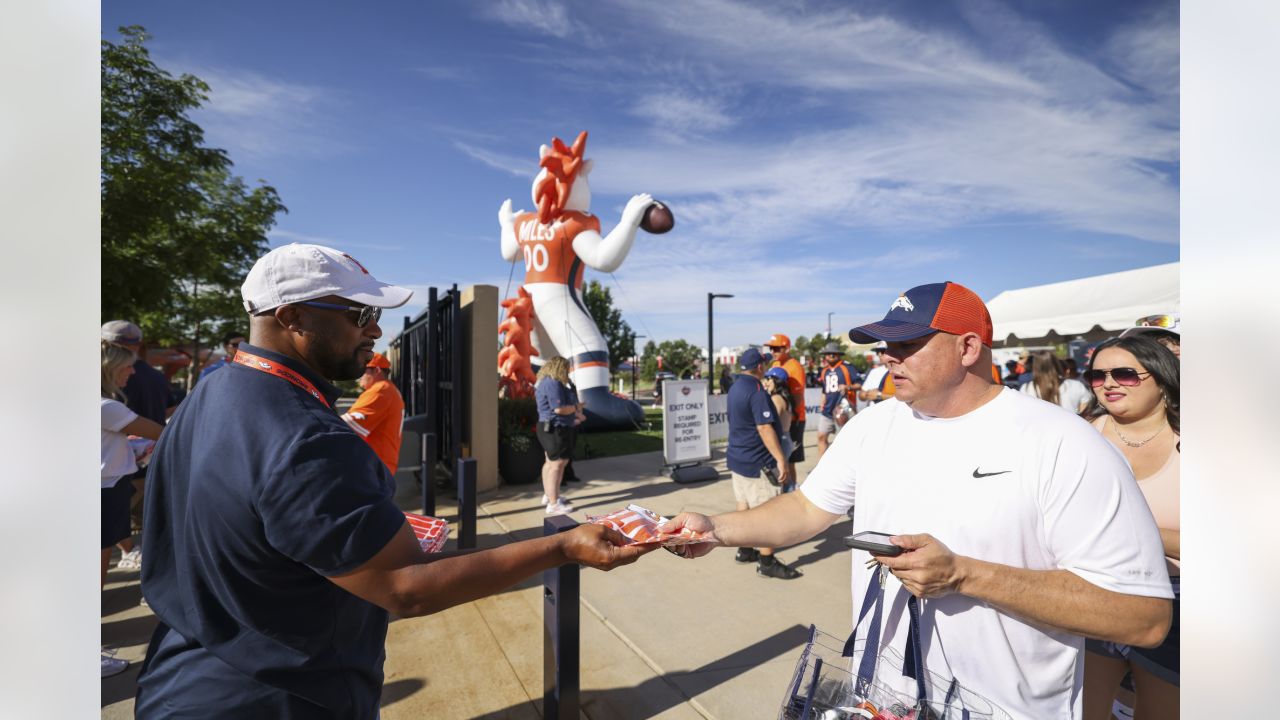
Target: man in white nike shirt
1022 527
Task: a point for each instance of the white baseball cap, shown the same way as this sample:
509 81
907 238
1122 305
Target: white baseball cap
121 331
298 272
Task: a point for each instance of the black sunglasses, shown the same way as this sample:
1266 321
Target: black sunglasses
367 313
1125 376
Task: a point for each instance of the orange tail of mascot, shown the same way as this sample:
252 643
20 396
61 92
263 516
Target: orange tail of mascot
515 370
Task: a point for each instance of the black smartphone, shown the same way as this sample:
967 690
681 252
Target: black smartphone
771 475
876 542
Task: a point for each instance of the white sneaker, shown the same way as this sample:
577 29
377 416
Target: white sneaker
546 500
111 665
559 507
131 560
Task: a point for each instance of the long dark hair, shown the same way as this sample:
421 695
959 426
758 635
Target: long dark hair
1046 375
1159 361
780 389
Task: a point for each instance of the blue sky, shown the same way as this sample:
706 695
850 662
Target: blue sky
818 156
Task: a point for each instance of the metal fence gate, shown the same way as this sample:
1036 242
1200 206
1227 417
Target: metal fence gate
428 371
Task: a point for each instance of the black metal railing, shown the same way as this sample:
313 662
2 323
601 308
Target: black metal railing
427 368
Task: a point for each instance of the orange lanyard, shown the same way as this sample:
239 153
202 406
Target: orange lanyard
260 364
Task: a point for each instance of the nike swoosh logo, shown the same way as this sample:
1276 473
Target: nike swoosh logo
982 474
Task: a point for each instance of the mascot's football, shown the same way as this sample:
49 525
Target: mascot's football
657 218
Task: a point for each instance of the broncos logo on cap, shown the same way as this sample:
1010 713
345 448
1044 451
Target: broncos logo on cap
902 302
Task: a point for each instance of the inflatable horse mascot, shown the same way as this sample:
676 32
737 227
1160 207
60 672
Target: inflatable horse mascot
557 242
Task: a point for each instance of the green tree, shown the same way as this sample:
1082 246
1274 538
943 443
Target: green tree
810 349
677 357
616 331
179 231
649 360
800 348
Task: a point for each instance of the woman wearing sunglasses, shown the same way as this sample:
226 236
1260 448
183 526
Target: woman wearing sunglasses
1136 407
775 383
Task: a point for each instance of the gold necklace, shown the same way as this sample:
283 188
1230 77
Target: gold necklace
1116 427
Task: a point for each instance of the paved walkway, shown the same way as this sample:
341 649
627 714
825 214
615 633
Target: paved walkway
662 638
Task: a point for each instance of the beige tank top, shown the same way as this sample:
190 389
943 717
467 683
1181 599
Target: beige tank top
1162 490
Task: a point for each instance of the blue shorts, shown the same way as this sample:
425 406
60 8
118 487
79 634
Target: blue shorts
1161 661
115 512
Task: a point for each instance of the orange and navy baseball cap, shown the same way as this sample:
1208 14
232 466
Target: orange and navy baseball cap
379 361
946 306
778 340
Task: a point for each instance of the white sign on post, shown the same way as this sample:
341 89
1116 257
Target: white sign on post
686 436
718 417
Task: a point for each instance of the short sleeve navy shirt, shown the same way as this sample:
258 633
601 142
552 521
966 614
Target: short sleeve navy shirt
257 493
749 405
148 392
551 394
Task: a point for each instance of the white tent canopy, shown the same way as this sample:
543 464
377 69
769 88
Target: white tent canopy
1109 302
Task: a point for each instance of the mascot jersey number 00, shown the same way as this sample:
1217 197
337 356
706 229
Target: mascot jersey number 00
556 242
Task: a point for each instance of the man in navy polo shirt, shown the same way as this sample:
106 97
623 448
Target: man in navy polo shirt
274 549
754 453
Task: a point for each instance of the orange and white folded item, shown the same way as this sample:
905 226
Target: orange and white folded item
432 532
641 526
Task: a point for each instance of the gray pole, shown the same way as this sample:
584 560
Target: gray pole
710 341
710 345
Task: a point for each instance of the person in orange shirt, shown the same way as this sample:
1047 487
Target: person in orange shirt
780 346
378 415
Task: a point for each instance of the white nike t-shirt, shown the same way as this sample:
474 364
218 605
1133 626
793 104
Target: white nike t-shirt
1016 482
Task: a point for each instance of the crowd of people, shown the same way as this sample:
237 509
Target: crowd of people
1024 527
1021 549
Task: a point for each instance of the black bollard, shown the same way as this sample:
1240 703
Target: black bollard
560 637
466 503
428 474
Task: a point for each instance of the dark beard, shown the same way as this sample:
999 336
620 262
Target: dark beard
333 361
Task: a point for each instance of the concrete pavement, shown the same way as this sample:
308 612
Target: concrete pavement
662 638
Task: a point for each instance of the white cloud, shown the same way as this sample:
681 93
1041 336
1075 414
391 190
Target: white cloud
928 131
543 16
259 117
443 72
510 164
248 94
1146 50
678 113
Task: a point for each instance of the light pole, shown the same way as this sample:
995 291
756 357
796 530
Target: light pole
829 324
711 347
634 359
